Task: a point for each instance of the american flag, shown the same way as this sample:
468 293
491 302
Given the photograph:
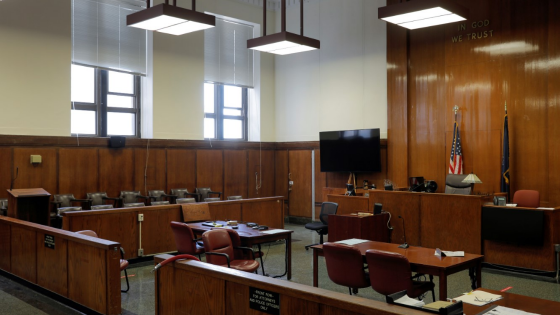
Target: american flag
456 160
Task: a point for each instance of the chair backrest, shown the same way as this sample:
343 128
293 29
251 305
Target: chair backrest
235 242
388 272
527 198
345 265
97 198
218 241
235 197
61 210
184 238
326 209
88 233
454 185
185 200
129 196
159 203
179 192
212 199
101 207
203 192
133 205
64 199
156 193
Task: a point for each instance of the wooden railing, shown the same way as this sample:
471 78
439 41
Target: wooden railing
83 269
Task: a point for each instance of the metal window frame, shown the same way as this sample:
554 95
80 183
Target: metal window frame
218 115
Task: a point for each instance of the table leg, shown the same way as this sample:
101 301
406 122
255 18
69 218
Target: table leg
442 286
315 268
289 253
479 274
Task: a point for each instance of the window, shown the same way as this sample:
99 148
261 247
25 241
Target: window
225 112
104 102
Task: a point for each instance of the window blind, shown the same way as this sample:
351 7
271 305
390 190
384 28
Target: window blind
226 57
101 38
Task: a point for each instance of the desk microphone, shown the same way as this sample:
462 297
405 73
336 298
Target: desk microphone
13 180
405 245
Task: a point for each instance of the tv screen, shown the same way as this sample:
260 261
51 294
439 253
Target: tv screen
350 151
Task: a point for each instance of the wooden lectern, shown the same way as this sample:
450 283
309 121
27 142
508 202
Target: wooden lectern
30 204
370 227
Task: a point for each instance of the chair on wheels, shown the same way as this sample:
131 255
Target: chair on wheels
123 262
182 193
234 197
236 242
220 251
131 197
205 192
322 227
63 203
527 198
184 239
390 273
100 198
345 266
454 185
159 195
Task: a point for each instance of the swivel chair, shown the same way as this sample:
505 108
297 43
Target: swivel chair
322 227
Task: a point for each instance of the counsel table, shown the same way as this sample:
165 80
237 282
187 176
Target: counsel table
516 301
250 237
422 260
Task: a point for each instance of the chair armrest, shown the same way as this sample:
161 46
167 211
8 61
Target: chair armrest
220 254
56 202
143 197
169 196
215 192
195 195
80 200
152 198
109 198
246 249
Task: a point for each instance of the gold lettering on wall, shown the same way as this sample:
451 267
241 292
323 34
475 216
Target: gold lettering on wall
476 34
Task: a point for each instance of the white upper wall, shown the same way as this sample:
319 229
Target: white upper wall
341 86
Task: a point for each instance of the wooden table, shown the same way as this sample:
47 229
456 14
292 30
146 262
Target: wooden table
520 302
422 260
250 237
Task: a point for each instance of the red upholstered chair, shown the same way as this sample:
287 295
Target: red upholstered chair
390 273
345 266
220 251
527 198
185 240
236 242
123 262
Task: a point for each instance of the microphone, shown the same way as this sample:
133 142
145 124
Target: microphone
13 180
405 245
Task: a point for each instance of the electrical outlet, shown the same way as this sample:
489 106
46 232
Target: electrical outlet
140 252
140 217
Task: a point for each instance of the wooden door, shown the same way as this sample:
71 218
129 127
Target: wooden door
300 171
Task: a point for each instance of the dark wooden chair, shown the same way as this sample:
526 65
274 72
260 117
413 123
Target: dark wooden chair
345 266
184 239
220 251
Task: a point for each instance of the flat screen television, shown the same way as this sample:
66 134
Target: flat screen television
350 151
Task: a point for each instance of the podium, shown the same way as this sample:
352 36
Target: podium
370 227
30 204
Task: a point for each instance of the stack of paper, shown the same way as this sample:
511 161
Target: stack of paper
274 231
437 305
352 241
502 310
479 298
405 300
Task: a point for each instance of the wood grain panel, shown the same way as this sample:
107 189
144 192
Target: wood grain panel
210 169
36 175
237 297
553 93
113 258
269 213
87 275
230 211
261 162
181 169
116 170
320 178
155 172
405 204
5 246
157 236
52 269
300 170
292 305
331 310
5 171
235 173
78 171
350 204
24 254
281 172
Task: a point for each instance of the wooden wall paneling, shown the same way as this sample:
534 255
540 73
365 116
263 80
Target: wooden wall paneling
87 276
292 305
5 171
337 179
553 92
156 171
116 170
405 204
113 258
5 246
320 179
52 269
235 173
78 171
262 162
237 297
264 213
181 169
281 172
157 236
331 310
24 253
36 175
347 204
210 169
230 211
300 170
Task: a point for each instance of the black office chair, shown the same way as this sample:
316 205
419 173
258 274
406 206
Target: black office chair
205 192
182 193
322 227
100 198
185 200
130 198
159 195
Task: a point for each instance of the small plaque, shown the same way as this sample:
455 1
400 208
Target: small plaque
264 301
49 241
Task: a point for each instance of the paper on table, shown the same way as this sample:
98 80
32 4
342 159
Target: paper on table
545 208
511 205
275 231
451 254
502 310
352 241
405 300
479 298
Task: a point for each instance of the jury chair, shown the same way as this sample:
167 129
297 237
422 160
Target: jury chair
159 203
100 198
211 199
159 195
390 273
180 193
220 251
4 207
63 203
184 239
454 185
345 266
527 198
131 197
134 205
322 227
185 200
235 197
101 207
205 192
236 242
123 262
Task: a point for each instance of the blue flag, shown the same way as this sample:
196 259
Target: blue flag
504 187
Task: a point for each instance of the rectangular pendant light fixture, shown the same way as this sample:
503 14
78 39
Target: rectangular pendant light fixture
283 43
171 19
423 13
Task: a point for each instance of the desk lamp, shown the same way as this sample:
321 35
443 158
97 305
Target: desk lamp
472 179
